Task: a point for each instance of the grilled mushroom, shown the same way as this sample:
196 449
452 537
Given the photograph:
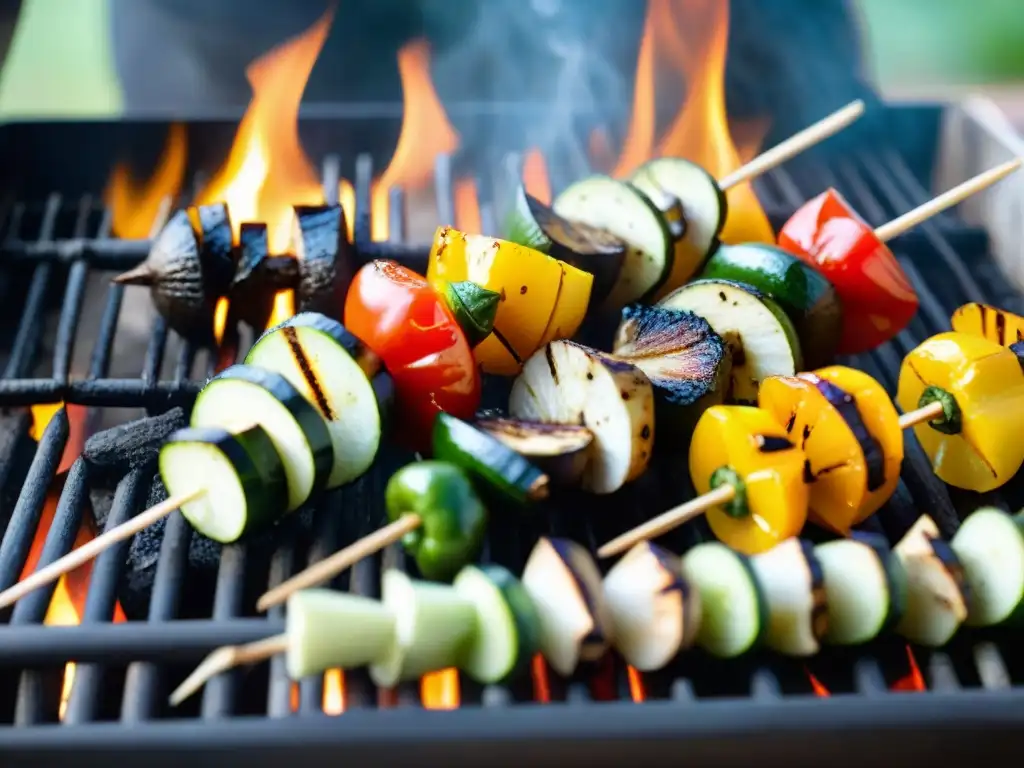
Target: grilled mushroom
252 291
320 241
173 272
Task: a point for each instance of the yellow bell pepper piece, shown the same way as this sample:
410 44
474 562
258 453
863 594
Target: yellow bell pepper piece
535 290
835 468
976 443
879 416
745 447
992 323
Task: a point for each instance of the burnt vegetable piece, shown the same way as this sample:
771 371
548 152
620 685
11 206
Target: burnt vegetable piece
173 272
559 450
252 292
687 362
592 249
563 580
216 247
496 468
454 520
325 258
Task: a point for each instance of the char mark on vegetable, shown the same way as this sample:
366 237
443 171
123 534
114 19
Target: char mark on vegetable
810 475
549 356
772 444
295 346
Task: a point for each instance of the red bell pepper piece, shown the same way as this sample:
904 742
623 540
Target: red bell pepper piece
878 299
399 316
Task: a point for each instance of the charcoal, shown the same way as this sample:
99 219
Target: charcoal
113 452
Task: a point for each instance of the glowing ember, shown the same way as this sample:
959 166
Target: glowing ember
541 685
425 134
690 37
535 176
134 205
914 680
440 690
816 685
637 691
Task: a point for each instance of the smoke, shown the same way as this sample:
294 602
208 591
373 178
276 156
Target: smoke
541 73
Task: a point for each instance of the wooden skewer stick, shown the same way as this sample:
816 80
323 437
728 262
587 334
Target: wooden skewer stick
794 145
666 521
675 517
225 658
340 561
928 413
946 200
93 548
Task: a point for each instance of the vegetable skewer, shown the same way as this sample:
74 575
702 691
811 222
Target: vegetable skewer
726 492
877 297
652 606
646 212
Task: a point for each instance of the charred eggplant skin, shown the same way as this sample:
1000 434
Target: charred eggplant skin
326 265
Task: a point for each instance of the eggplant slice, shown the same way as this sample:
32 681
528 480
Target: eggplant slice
173 272
216 247
325 258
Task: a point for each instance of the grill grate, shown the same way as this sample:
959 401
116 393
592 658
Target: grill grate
125 670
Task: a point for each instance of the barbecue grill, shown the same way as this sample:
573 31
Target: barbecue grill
701 711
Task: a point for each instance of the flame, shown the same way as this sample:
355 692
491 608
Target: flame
637 690
425 134
347 199
541 684
913 680
135 205
816 685
467 206
440 690
333 702
535 176
67 606
690 38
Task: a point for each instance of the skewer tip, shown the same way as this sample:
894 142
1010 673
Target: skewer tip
139 275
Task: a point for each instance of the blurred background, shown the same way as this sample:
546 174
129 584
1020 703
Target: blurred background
62 58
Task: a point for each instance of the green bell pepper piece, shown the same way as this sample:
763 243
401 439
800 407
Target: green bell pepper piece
454 520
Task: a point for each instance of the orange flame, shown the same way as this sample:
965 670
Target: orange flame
535 176
816 685
541 683
425 134
135 205
267 171
913 680
440 690
467 206
637 690
690 37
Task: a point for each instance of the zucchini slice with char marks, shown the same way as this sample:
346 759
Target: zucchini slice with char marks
340 377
